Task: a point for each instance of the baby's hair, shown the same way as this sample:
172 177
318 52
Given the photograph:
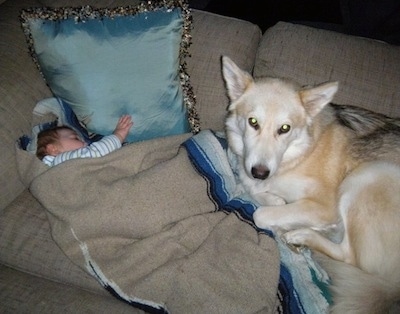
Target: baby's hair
46 137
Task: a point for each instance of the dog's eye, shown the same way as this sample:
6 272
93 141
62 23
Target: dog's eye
254 123
284 129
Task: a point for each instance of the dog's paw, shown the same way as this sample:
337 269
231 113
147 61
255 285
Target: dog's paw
298 238
260 218
298 249
269 217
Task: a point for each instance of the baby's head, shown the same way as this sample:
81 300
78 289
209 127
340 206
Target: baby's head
57 140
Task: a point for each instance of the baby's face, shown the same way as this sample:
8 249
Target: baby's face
69 140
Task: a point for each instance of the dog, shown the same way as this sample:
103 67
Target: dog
322 172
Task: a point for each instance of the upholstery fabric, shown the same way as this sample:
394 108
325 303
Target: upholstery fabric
17 100
34 290
368 70
204 66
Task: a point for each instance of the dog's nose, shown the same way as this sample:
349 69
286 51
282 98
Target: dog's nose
260 172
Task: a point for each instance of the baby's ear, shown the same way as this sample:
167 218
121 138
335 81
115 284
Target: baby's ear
52 150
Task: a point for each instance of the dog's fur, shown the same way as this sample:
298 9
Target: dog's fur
320 169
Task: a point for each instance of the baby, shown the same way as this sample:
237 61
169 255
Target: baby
62 143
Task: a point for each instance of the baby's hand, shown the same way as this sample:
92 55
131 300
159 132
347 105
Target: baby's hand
123 126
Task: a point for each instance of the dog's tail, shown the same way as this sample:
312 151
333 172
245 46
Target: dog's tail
357 292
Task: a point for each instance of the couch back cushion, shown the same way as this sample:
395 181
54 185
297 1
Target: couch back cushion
368 70
213 37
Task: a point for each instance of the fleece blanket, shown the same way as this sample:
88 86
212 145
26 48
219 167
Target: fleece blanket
160 225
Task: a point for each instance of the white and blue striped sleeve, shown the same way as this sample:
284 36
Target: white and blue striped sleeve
100 148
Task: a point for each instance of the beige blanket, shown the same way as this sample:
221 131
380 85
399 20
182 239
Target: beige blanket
142 222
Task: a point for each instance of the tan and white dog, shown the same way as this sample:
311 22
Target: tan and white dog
320 169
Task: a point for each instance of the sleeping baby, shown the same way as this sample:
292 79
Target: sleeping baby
61 143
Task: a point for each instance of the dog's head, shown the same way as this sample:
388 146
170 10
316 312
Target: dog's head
269 120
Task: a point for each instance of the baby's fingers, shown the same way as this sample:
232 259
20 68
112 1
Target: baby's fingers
125 120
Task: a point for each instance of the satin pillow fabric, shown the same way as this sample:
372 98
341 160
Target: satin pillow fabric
107 63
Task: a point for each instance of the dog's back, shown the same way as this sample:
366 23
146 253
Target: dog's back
375 136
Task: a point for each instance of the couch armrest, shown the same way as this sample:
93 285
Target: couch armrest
21 86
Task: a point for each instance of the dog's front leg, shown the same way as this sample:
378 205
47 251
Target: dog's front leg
300 214
315 241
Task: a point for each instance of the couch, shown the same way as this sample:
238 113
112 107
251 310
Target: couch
36 276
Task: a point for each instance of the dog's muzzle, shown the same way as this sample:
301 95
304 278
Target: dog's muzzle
260 172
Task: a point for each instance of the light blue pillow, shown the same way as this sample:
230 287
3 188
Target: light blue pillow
107 62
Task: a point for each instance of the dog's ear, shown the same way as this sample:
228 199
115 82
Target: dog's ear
315 98
236 80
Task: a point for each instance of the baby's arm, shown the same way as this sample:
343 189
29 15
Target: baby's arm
123 126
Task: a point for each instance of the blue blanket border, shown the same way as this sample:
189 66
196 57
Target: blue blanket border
204 162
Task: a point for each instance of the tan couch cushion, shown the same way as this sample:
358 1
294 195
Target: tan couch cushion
214 36
24 293
368 70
